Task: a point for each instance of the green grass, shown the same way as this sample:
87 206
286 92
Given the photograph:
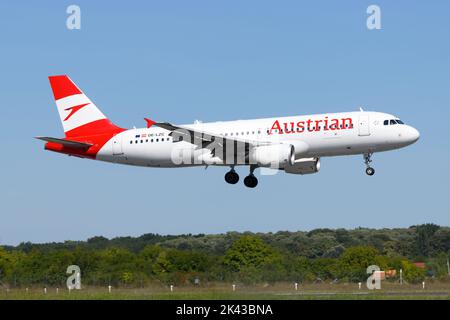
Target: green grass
283 291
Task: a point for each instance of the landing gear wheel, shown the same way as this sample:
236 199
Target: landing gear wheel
367 160
250 181
232 177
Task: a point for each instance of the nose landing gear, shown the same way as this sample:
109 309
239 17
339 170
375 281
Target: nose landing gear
370 171
367 160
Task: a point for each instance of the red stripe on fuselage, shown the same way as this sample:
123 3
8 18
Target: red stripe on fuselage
96 133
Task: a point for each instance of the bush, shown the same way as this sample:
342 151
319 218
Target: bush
411 273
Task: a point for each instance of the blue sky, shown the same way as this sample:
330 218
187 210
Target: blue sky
180 61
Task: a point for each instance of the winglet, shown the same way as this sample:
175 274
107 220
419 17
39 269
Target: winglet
149 122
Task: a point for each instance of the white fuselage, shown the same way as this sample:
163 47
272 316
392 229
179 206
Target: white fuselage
327 135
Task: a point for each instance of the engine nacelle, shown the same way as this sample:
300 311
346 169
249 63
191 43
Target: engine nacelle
274 156
304 166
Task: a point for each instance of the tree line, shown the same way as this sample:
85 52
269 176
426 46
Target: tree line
319 255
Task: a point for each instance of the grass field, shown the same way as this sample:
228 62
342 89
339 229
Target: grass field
282 291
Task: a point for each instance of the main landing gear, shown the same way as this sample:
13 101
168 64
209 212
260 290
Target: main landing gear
367 160
231 176
250 181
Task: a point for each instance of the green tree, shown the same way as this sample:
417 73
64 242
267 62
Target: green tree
437 266
424 233
411 273
114 262
127 277
249 252
440 241
6 264
188 261
162 264
354 261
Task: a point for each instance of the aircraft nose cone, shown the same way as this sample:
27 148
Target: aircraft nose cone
415 134
412 135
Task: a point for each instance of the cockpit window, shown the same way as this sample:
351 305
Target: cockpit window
392 122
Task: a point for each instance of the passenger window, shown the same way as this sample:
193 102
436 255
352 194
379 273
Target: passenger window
157 140
131 142
386 122
151 140
136 141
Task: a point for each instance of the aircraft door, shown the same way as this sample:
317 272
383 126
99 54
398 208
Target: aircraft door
117 145
363 125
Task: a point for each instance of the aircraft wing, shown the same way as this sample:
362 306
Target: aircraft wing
203 138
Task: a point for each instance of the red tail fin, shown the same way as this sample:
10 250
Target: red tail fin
79 115
86 128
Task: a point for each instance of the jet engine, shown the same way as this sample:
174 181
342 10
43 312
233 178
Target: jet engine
304 166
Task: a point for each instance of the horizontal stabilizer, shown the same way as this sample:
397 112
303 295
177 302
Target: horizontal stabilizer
67 143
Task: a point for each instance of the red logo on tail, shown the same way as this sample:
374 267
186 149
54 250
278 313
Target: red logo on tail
74 109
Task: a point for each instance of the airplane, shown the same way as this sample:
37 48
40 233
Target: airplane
294 144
